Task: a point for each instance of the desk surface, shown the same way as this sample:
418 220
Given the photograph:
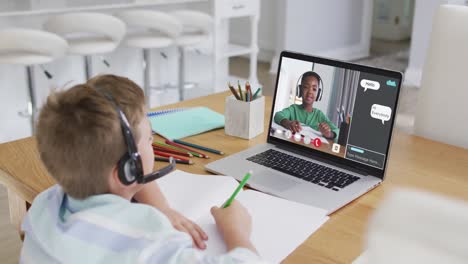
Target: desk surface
414 162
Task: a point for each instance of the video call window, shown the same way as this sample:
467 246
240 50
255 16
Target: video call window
316 106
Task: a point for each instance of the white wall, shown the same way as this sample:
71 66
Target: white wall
333 28
422 25
298 25
309 25
330 28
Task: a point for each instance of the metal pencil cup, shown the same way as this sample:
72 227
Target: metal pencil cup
244 119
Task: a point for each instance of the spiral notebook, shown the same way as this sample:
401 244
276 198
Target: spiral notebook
166 111
183 122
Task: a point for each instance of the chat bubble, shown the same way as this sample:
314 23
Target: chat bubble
381 112
368 84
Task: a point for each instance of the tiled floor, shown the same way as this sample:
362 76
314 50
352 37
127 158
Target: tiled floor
389 55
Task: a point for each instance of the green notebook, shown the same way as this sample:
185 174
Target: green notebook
189 122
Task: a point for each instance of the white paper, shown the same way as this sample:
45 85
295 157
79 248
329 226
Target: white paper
194 195
278 226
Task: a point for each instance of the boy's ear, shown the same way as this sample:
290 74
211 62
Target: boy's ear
115 185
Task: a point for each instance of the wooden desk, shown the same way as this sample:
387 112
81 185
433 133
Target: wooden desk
414 162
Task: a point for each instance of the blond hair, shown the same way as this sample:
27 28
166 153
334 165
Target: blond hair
79 136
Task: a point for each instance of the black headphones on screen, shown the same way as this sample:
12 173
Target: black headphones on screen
310 74
130 166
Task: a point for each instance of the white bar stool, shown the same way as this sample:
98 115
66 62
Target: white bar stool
30 47
149 30
88 34
197 27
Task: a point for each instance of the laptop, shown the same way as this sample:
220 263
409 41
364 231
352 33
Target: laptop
329 133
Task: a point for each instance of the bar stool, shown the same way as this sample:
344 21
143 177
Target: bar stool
30 47
150 30
197 27
88 34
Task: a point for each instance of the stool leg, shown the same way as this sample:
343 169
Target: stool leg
88 62
181 73
32 106
146 75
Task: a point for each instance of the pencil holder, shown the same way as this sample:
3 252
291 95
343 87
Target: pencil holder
244 119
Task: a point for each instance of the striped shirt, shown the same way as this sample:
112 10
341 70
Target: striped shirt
108 229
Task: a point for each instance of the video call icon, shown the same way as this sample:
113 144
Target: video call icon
317 142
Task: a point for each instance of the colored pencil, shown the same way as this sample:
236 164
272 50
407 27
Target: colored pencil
198 147
176 160
237 190
195 154
249 89
164 145
198 154
168 155
186 148
233 91
240 91
256 93
173 151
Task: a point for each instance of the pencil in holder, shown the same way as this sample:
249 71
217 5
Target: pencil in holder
244 119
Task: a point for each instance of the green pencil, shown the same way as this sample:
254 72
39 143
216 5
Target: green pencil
241 185
256 93
240 91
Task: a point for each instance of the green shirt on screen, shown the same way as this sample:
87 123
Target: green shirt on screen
311 119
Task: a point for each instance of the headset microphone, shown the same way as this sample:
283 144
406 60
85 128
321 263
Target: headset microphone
159 173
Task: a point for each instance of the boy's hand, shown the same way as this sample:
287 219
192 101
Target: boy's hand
325 130
184 224
294 126
235 225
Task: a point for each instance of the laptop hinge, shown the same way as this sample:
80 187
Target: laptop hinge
336 164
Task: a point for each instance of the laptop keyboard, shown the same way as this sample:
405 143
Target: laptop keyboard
304 169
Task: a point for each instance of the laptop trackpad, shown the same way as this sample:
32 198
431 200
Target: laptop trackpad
272 180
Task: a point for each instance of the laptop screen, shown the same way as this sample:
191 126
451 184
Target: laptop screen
341 111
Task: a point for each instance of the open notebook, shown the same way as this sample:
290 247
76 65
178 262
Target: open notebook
278 226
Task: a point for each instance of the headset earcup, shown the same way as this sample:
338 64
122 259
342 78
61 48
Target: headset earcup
299 91
126 170
319 95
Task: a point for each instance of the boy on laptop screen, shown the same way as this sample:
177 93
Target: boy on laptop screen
314 107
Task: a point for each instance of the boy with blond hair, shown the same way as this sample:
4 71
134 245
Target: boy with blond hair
95 141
